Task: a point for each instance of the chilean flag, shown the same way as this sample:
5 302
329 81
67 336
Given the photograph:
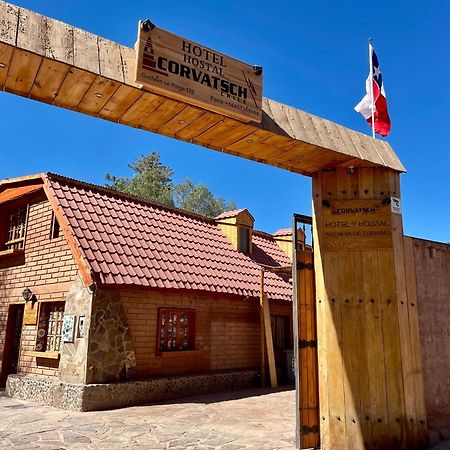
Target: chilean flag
381 115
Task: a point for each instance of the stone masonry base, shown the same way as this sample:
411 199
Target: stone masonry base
91 397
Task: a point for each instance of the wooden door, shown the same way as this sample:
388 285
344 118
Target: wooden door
308 388
12 342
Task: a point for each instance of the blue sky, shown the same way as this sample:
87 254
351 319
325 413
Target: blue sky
314 56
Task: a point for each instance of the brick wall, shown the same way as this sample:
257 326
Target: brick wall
432 262
226 332
47 269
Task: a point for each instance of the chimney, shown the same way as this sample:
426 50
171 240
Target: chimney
283 238
237 226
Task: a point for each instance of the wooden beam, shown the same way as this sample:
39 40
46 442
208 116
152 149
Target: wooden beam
56 63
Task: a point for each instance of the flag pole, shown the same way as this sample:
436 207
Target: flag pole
371 88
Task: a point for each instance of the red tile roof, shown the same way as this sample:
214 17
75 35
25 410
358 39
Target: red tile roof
127 241
232 213
283 232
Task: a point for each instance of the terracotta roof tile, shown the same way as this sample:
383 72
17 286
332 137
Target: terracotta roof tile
129 241
283 232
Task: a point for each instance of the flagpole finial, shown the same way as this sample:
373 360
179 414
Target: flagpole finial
370 41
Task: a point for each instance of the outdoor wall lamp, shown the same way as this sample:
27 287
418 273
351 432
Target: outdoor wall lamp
27 295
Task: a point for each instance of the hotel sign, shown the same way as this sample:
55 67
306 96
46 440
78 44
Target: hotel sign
184 70
357 225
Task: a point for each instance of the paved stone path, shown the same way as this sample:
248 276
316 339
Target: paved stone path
252 419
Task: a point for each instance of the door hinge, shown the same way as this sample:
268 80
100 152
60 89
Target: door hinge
305 266
303 343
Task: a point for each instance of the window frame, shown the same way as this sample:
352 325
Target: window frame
248 239
44 308
8 245
55 227
167 311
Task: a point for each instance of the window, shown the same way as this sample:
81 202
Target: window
15 238
281 332
54 227
50 327
176 330
244 240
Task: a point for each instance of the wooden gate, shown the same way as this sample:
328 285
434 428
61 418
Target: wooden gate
307 387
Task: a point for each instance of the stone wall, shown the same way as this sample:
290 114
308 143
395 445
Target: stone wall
111 352
49 391
432 262
73 359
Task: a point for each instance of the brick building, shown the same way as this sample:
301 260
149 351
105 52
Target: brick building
108 300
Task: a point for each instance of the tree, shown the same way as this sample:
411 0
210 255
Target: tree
152 180
198 198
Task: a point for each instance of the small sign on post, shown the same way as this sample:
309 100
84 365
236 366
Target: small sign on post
184 70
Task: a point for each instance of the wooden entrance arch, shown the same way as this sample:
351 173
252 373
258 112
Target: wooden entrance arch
370 378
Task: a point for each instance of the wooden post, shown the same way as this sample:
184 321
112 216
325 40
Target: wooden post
269 343
267 331
369 381
261 330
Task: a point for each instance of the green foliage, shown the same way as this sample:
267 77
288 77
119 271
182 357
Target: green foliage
152 180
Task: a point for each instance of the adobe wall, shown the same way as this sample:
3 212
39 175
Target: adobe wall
432 263
226 332
47 268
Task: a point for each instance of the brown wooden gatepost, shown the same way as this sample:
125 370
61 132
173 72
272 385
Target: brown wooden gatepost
370 381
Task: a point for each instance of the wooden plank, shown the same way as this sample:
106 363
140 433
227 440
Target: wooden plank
185 117
308 354
73 88
416 350
350 349
216 132
232 136
269 342
98 94
60 41
9 21
338 438
313 388
198 126
48 80
393 357
302 354
22 72
85 51
362 336
32 32
322 300
120 102
110 59
403 318
375 349
6 53
141 109
262 341
161 115
128 56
